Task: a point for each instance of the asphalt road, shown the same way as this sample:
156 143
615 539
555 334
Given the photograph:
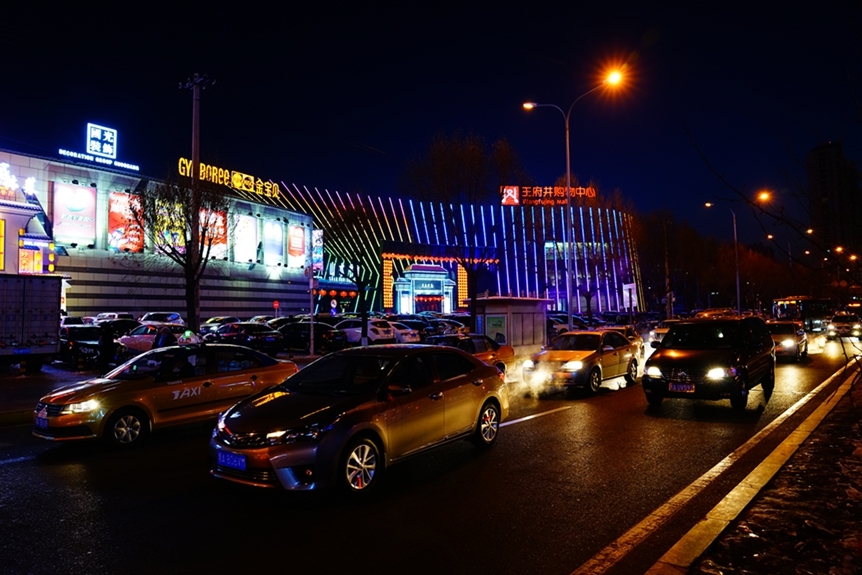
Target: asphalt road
568 477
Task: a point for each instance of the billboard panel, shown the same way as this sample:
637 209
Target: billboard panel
317 251
245 239
124 232
296 247
216 226
273 243
74 213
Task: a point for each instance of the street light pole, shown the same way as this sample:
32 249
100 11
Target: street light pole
569 258
735 258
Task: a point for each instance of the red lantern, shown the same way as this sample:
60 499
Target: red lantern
332 292
343 294
352 294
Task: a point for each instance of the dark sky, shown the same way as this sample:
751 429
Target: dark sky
340 95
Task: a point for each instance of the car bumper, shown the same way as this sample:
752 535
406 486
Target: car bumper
698 389
70 427
559 379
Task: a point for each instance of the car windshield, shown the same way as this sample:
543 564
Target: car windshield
576 342
147 365
340 375
706 335
782 328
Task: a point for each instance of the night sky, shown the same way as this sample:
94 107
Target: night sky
340 95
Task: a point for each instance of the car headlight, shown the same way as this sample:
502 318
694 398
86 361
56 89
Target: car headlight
788 343
308 433
83 407
653 371
830 327
721 372
573 365
528 364
857 326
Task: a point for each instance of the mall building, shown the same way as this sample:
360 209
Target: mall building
285 252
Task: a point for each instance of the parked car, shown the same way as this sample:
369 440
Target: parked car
160 388
257 336
582 359
715 312
280 321
326 338
404 333
119 327
214 323
344 419
844 325
262 318
379 331
112 315
422 327
79 344
162 317
659 331
140 339
71 320
790 339
632 335
481 346
711 359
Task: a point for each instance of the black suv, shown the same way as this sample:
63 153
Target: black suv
711 359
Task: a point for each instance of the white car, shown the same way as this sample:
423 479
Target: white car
657 333
379 331
404 334
162 317
141 338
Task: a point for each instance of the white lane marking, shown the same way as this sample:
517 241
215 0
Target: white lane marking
534 416
15 460
602 561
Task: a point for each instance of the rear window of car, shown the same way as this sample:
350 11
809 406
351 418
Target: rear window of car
845 318
84 332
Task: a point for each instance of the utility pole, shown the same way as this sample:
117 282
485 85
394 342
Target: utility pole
193 251
668 294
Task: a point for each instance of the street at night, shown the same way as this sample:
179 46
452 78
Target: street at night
570 475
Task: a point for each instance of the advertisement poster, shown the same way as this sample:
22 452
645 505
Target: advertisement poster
245 239
74 213
124 233
170 228
317 251
495 328
216 226
273 243
296 247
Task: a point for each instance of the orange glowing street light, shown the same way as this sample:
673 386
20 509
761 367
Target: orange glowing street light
613 78
764 196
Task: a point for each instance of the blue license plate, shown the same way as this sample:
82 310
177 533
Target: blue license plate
41 423
681 387
270 338
232 460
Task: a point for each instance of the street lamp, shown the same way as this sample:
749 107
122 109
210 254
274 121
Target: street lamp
735 258
612 79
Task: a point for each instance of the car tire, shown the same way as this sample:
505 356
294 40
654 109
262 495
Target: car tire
768 383
631 376
739 396
361 466
126 427
487 426
654 400
594 380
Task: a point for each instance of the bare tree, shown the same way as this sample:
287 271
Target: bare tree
462 170
168 214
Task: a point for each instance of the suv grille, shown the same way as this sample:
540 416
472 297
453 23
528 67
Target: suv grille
242 439
52 409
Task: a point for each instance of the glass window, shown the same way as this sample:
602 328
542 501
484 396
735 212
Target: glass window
235 360
451 365
413 372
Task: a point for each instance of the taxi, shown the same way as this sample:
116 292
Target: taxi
159 388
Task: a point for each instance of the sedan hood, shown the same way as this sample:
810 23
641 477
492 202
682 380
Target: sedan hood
82 390
687 359
562 355
277 408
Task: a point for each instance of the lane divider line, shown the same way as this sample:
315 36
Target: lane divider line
534 416
701 536
602 561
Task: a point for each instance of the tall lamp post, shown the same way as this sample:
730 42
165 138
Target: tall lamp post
612 79
735 258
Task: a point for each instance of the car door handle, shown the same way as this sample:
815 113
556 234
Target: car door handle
436 396
254 378
478 382
207 383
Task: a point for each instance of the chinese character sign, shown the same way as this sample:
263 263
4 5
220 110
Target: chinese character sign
541 195
124 231
101 141
74 213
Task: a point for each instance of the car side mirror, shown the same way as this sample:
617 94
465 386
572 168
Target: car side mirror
398 390
655 344
608 348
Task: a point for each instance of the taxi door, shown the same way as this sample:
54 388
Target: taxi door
235 373
414 420
182 391
463 392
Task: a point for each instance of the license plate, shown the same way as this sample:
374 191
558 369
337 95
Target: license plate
41 423
270 338
86 350
681 387
232 460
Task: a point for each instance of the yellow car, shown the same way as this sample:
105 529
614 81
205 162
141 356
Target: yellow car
582 359
159 388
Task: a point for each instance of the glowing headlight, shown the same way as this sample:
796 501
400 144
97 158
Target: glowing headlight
788 343
720 372
573 365
83 407
830 327
653 371
528 364
309 433
857 326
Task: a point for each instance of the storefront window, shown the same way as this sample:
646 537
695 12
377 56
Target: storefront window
29 261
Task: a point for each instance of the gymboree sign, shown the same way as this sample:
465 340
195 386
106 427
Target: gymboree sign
231 178
100 144
541 195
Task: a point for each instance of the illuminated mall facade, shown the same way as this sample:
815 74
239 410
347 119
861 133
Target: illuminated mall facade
70 215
